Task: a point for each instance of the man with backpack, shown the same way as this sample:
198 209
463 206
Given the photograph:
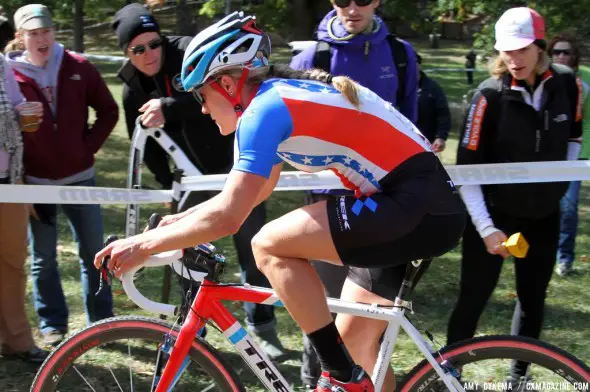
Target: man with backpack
354 41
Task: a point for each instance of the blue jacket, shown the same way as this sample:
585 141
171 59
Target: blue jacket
367 59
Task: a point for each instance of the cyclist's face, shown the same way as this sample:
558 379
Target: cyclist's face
219 108
522 62
355 18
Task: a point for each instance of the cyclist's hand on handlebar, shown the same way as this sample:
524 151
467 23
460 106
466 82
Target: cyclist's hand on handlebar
494 244
124 255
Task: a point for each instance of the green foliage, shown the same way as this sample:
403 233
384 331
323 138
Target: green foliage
272 14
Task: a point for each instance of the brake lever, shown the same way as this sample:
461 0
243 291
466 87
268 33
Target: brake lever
105 275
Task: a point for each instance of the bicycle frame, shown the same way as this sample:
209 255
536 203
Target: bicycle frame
207 306
136 152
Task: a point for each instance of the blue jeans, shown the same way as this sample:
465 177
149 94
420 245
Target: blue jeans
569 224
48 296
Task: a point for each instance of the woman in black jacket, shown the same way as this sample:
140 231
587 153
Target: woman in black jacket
527 111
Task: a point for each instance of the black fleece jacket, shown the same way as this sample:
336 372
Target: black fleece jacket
195 133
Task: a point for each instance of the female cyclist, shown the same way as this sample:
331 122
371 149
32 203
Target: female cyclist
404 198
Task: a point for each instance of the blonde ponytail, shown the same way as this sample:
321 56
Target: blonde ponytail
346 86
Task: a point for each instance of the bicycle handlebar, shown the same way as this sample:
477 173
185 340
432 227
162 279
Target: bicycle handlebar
171 258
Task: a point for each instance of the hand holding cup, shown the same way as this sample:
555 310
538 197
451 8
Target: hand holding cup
31 115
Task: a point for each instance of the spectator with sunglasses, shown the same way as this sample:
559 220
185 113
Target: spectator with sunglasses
564 49
61 152
358 45
151 89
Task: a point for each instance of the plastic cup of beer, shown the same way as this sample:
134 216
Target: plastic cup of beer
30 115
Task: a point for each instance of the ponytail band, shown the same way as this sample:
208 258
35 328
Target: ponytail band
329 79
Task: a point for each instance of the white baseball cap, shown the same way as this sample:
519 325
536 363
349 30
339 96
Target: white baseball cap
518 28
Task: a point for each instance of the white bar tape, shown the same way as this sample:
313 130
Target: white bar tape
496 173
53 194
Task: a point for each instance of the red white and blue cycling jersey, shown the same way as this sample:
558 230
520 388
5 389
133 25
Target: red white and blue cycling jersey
313 127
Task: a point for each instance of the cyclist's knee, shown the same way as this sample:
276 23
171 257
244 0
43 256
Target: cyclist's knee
262 247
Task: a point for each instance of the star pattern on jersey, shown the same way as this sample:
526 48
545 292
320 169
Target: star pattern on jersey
325 160
310 86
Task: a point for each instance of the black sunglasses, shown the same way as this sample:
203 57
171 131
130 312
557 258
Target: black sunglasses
200 99
346 3
140 49
557 52
196 91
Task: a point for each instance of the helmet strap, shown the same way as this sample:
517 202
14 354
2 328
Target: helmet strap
235 100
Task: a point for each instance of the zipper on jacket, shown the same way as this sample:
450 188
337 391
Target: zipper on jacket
367 44
546 120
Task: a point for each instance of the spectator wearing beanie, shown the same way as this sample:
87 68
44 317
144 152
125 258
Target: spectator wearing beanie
62 152
150 91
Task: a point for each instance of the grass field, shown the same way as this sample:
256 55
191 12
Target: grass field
567 323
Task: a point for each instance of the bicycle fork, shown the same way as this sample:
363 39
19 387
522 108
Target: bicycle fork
208 306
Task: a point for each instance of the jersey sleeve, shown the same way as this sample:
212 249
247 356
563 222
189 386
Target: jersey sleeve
263 126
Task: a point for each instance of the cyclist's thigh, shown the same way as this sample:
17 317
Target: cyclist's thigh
303 233
367 221
434 236
382 282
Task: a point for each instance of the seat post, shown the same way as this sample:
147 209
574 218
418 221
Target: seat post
408 282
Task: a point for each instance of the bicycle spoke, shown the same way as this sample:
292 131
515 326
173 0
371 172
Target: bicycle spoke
130 373
115 377
83 378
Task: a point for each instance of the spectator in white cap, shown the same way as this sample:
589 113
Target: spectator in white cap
526 111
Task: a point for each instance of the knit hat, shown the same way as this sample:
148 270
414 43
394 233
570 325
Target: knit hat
131 21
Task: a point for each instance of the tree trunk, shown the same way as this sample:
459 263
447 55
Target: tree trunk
184 24
78 11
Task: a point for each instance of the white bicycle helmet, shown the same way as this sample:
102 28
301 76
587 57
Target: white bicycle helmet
234 41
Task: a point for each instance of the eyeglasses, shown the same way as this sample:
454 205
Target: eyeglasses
200 99
197 94
138 50
557 52
346 3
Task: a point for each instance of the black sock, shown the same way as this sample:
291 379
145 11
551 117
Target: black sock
332 354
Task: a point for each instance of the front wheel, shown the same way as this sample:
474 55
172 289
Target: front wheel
488 364
120 354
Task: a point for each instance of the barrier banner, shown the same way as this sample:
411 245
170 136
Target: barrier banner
53 194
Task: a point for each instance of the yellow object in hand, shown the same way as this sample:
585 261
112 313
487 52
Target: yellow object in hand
516 245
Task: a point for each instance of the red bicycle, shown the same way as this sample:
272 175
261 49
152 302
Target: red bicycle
145 354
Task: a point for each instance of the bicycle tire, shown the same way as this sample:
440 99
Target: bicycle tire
423 377
110 330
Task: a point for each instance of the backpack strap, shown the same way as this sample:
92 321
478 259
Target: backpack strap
400 58
323 56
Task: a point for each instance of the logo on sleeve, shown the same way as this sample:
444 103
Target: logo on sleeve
474 123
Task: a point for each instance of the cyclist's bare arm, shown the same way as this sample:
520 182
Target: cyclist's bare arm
275 174
264 194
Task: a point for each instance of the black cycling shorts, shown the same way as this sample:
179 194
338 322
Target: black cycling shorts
385 282
386 230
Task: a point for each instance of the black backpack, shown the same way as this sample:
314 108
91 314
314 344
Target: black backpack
323 55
